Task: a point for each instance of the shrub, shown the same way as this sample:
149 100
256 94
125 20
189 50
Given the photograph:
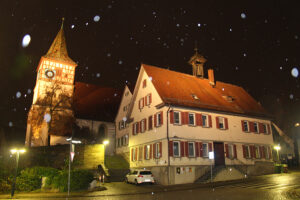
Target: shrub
80 180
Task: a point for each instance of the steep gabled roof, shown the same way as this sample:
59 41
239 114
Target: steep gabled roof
58 49
186 90
96 102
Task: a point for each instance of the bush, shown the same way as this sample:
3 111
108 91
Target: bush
80 180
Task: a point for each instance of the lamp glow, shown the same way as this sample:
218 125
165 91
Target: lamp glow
277 148
297 124
105 142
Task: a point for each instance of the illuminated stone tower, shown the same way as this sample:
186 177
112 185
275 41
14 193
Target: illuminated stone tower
197 61
51 112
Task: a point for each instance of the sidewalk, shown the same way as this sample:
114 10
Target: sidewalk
121 188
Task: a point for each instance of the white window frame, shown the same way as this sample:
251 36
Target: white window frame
206 125
206 150
157 150
247 148
135 127
148 99
248 126
231 151
258 152
221 122
158 119
265 127
148 152
178 149
179 117
194 121
143 125
193 143
257 127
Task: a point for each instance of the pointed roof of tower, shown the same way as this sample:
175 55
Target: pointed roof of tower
58 49
197 57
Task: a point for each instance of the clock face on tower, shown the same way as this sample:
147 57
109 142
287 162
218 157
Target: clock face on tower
49 73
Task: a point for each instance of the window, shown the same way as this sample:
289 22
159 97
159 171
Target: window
267 153
247 151
257 152
177 117
205 121
147 153
150 123
265 129
143 125
140 153
159 119
255 127
122 124
191 149
144 83
176 150
245 125
221 122
135 128
141 103
230 151
133 153
157 150
191 119
205 149
148 99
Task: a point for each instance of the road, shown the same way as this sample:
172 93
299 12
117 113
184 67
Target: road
273 187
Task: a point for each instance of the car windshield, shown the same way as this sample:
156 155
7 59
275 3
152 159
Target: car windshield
145 173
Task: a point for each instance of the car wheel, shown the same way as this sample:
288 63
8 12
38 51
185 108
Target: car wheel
135 181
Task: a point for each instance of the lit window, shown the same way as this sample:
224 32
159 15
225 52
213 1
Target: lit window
191 119
255 127
147 153
205 149
157 150
221 122
176 149
191 146
205 121
246 126
176 117
257 152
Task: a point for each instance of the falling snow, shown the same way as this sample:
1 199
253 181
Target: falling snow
96 18
18 94
295 72
243 15
26 40
47 117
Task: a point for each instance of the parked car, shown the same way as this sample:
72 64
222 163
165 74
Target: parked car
140 176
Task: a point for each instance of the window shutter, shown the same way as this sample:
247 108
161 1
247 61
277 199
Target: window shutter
234 150
145 123
170 148
136 153
252 151
244 151
209 147
153 150
201 149
161 118
197 149
182 149
262 150
186 118
140 104
160 149
150 153
269 129
143 101
243 128
226 123
198 119
217 122
209 121
150 98
133 129
171 117
251 124
227 150
186 150
261 128
139 127
145 147
155 120
131 154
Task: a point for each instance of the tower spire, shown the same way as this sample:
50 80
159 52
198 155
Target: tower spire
58 49
197 61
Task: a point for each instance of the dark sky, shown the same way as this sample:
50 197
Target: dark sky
254 44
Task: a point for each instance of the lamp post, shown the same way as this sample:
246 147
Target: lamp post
277 148
71 141
17 152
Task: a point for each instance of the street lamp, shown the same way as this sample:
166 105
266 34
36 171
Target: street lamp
17 152
277 148
71 141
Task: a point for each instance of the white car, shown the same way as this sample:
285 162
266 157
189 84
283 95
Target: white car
140 176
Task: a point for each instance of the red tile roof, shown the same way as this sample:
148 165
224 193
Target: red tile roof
96 102
178 89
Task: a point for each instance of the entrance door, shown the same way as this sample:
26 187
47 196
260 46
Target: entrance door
219 153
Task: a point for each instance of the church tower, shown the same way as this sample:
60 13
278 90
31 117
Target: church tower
51 115
197 61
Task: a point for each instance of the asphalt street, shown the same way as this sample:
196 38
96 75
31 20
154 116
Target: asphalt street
273 187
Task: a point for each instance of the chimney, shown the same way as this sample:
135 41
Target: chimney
211 77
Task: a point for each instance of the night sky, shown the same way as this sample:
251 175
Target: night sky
254 44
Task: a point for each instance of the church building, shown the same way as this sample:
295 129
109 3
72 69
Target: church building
178 125
59 102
